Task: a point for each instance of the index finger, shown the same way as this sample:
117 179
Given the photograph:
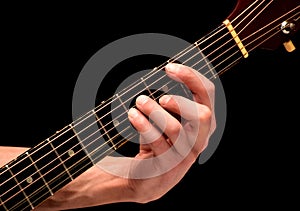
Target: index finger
201 87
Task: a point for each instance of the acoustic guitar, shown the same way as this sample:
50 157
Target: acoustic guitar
38 173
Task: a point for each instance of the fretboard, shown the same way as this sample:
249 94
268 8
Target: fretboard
41 171
44 169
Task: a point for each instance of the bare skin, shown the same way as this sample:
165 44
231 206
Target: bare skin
183 141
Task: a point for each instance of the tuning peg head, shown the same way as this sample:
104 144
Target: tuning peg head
289 46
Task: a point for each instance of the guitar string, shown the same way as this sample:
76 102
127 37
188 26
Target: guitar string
135 134
159 79
278 28
243 20
99 137
177 84
120 141
191 46
102 106
16 174
180 53
250 13
47 164
111 148
124 139
187 49
293 16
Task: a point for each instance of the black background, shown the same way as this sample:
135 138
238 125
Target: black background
45 48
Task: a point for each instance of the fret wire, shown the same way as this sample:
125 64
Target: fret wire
85 166
122 103
212 60
178 56
127 127
147 87
181 54
79 139
215 58
44 144
61 161
60 131
2 204
57 178
251 49
100 155
38 170
120 141
125 139
21 189
257 38
223 61
41 176
206 62
227 67
105 131
82 159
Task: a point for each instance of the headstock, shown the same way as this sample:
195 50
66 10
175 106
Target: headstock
266 23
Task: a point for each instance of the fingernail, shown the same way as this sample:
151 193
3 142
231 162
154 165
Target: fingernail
132 113
164 99
142 99
172 68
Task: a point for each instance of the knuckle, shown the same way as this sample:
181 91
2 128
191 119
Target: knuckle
210 88
205 114
174 128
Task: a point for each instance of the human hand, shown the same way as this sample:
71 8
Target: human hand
164 158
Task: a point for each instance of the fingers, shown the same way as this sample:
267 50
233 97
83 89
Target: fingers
149 135
200 86
198 115
184 137
162 119
188 109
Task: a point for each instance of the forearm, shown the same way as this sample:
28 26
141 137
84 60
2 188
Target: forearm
94 187
9 153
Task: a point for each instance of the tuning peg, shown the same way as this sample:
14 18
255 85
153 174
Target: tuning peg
289 46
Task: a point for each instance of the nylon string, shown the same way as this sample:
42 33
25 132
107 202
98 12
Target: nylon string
160 68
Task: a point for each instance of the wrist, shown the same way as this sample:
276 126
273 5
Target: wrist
94 187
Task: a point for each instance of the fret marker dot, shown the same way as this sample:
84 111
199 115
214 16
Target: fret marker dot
71 153
116 122
165 88
29 180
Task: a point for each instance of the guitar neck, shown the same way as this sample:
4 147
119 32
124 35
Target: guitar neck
41 171
46 168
